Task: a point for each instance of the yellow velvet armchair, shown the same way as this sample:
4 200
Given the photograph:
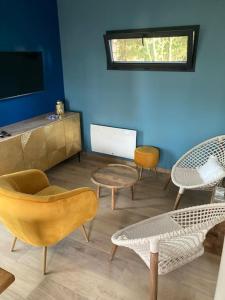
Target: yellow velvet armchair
41 214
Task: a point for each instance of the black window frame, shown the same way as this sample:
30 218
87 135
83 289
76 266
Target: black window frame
191 31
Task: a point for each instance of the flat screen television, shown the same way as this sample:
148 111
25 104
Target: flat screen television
21 73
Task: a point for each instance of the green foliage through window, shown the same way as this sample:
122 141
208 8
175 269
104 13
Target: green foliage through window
162 49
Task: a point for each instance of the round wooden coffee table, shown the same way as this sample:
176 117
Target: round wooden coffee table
114 177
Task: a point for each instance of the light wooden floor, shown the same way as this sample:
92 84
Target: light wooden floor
81 271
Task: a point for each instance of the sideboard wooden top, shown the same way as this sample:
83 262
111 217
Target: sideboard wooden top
31 124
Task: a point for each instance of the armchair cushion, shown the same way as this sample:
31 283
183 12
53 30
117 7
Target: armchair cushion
51 190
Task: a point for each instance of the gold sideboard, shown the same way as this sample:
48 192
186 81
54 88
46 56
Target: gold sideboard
39 143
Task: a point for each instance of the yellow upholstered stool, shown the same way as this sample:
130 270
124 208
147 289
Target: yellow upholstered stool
146 157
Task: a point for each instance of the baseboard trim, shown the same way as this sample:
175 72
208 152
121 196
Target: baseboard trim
113 159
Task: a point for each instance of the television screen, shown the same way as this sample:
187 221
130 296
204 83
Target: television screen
20 73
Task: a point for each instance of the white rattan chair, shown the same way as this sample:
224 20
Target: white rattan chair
171 240
184 173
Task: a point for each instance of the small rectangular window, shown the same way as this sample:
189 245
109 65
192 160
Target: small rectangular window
162 49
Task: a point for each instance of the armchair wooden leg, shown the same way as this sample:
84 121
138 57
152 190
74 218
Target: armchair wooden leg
98 192
132 192
13 244
84 233
113 252
177 202
113 199
44 259
167 183
154 276
140 174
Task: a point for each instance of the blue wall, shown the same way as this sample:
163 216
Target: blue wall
172 110
32 25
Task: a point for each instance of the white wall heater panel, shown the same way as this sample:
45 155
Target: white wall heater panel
113 141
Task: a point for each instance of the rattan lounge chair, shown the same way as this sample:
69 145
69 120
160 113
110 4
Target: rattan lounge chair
171 240
184 173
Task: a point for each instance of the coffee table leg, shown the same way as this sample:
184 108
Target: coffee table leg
132 192
98 191
113 199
